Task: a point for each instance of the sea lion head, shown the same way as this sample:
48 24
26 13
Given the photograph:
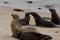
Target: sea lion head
52 10
15 16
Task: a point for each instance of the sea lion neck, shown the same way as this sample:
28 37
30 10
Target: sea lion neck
35 15
26 15
54 16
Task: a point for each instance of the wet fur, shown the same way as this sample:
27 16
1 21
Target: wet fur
54 16
40 21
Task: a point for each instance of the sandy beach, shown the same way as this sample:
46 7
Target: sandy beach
5 24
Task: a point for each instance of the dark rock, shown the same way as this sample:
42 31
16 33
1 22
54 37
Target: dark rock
5 2
39 8
29 2
18 10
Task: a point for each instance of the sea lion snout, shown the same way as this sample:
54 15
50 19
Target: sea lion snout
52 10
14 15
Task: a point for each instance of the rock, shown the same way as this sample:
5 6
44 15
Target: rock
18 10
5 2
39 8
29 2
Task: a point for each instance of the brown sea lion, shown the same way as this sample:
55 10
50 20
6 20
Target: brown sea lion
54 16
40 21
25 20
16 27
34 36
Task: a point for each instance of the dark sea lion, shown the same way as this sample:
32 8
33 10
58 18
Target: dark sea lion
25 20
17 28
54 16
34 36
40 21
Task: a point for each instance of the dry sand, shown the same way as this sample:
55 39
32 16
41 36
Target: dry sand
5 21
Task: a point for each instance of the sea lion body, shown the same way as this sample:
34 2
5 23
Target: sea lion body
54 16
17 28
40 21
34 36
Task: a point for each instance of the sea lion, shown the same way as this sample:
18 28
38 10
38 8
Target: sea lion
34 36
40 21
54 16
22 32
17 28
25 20
15 25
